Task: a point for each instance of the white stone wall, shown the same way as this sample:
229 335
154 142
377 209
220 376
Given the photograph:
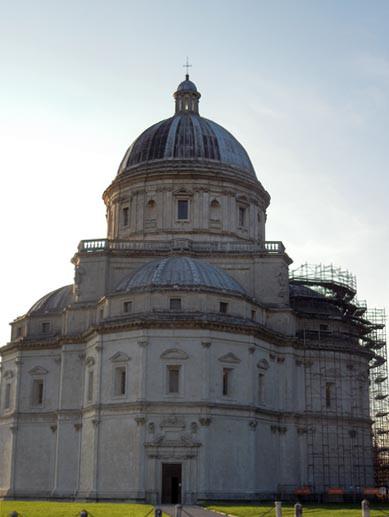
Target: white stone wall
229 446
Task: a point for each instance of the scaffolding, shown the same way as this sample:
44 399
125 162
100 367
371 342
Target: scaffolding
339 335
375 340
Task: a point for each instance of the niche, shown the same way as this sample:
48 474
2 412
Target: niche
151 214
214 213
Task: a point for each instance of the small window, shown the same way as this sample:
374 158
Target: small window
253 315
361 396
242 216
227 381
329 395
323 328
125 216
90 386
7 399
223 307
175 304
18 331
183 209
127 307
261 388
101 314
120 380
37 392
173 379
45 327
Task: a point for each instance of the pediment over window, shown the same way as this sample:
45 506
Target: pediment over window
38 370
263 364
183 192
242 200
120 357
174 353
229 358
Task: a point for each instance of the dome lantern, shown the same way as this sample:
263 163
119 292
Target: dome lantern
187 97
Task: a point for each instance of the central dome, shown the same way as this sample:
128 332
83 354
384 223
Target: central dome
187 136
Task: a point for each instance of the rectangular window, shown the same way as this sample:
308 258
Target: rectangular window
329 395
261 388
18 331
242 216
37 392
7 400
45 327
361 397
227 372
90 386
175 304
125 216
223 307
183 209
253 315
173 379
323 328
127 307
120 380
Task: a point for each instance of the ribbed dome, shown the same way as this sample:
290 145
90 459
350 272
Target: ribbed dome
180 272
187 136
55 301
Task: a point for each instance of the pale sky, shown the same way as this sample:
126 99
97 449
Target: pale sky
303 85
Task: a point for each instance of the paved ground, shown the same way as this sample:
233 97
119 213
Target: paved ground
188 511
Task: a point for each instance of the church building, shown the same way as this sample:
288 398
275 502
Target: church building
187 361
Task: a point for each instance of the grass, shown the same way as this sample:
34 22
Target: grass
60 509
329 510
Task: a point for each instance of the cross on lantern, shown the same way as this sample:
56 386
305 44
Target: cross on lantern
187 66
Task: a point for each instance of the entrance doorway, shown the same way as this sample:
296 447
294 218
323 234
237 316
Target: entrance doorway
171 483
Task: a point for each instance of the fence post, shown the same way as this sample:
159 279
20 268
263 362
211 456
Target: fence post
177 510
365 508
278 506
298 510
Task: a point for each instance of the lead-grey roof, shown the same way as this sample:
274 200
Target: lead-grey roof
180 271
187 86
187 136
55 301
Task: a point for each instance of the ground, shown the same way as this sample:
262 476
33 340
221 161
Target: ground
55 509
379 510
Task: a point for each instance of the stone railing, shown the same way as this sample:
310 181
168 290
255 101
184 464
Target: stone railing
268 247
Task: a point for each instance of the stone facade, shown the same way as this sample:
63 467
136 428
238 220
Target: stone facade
104 387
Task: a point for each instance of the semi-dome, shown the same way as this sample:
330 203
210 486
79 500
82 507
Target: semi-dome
55 301
187 136
180 271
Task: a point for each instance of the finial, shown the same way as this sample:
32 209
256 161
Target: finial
187 66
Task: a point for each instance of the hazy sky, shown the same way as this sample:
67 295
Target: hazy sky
302 84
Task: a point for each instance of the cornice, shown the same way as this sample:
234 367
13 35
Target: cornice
169 169
186 408
178 320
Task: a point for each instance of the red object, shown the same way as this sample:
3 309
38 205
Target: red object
304 490
335 491
371 491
